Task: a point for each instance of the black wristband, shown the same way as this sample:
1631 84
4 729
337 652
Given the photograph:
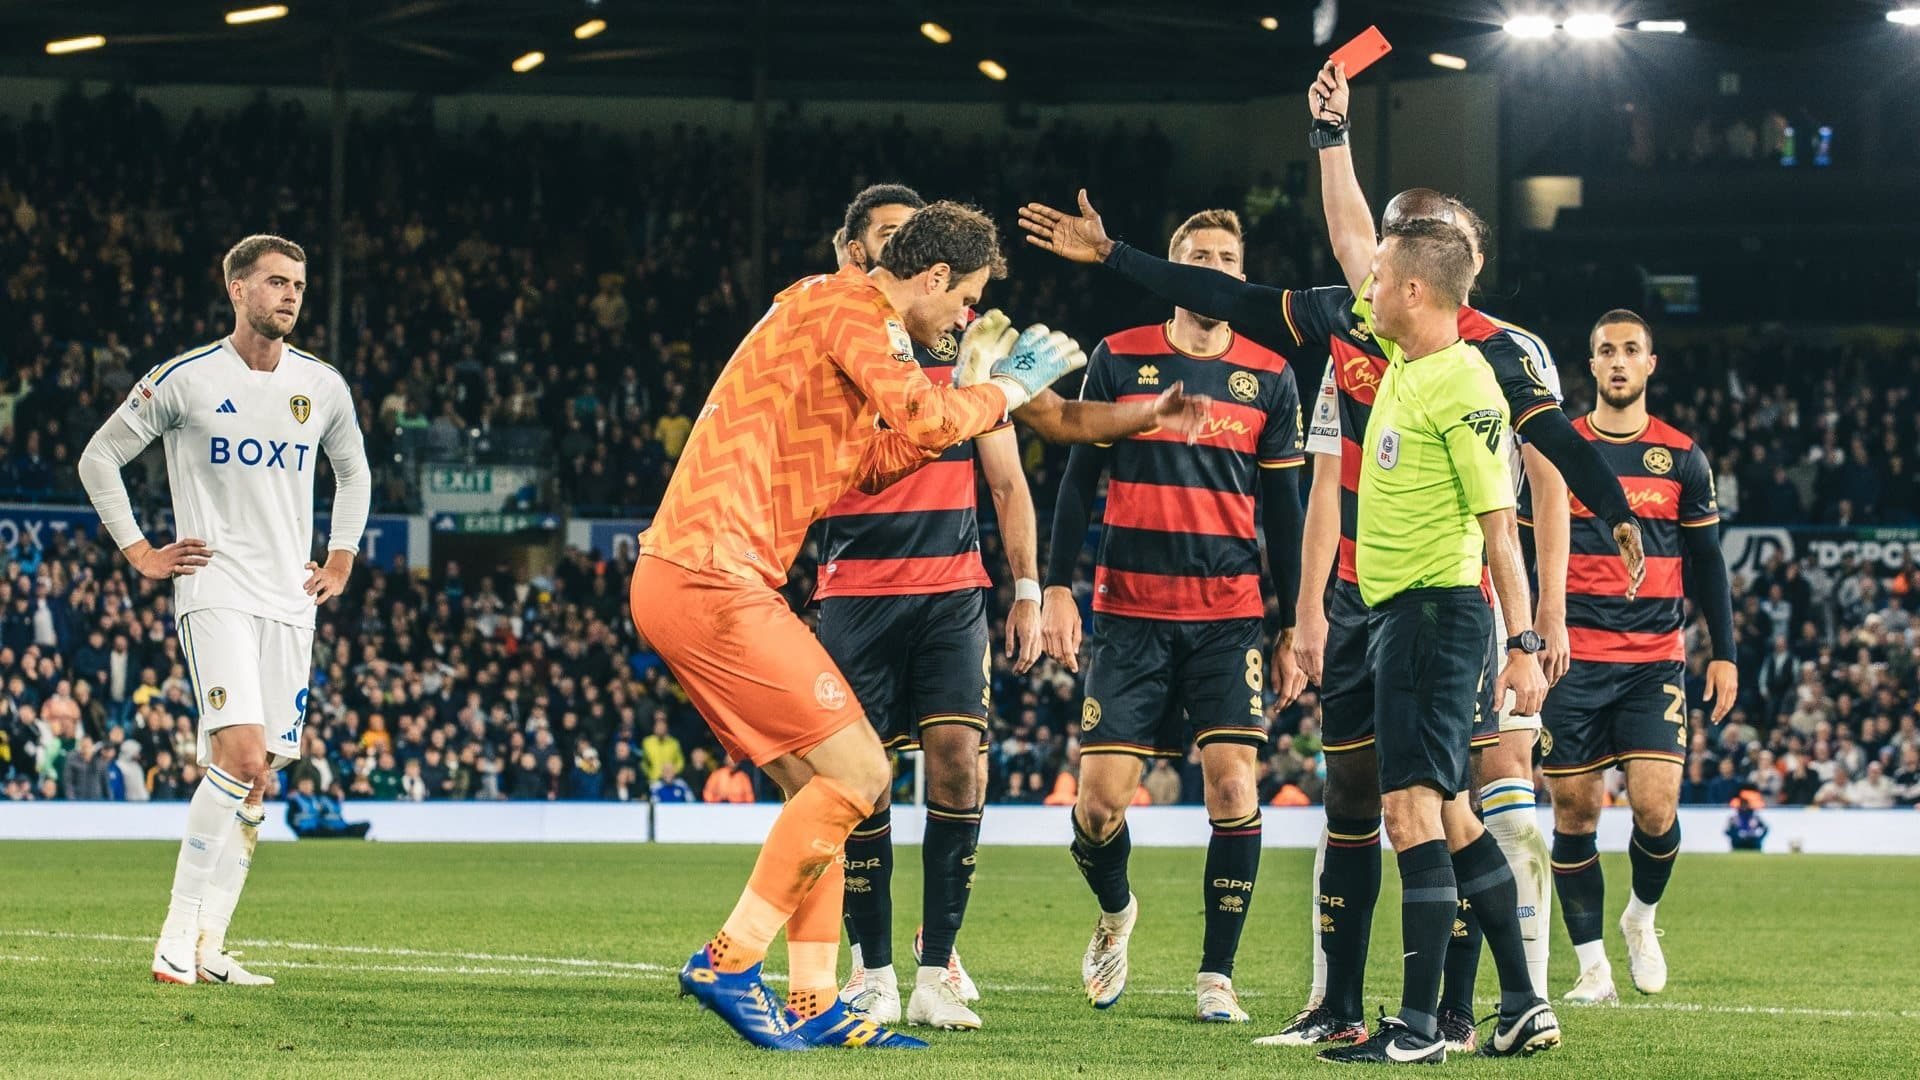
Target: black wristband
1327 134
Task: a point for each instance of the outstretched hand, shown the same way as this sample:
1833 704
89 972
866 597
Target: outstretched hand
1080 239
1182 414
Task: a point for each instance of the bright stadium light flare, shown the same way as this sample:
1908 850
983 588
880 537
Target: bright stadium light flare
590 28
529 62
256 14
1532 27
1268 22
74 45
992 70
1909 16
1589 26
935 33
1661 26
1448 61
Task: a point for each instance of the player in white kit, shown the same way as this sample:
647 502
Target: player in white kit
244 421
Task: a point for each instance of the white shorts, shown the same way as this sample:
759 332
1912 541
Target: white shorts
248 670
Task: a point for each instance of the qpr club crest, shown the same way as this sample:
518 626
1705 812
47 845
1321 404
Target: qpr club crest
1388 454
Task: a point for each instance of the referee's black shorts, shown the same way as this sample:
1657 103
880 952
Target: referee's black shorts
1428 651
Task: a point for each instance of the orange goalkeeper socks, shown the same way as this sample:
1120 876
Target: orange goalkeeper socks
813 945
803 847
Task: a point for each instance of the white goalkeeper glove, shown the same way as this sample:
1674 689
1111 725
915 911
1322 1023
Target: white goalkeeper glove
987 340
1039 357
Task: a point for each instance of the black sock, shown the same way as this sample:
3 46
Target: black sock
1349 889
1486 885
1428 902
1578 883
1463 956
947 857
1652 858
1233 858
869 904
1104 865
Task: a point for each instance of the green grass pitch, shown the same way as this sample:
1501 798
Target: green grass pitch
496 960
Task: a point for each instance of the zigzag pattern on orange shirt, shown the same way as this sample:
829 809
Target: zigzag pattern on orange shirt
793 422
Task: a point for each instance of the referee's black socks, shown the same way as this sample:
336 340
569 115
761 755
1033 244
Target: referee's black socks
1428 900
1486 884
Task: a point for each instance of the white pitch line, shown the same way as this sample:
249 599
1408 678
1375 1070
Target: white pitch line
585 967
373 950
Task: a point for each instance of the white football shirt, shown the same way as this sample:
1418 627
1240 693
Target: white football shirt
242 447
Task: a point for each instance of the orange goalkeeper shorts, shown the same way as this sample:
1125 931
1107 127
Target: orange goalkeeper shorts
752 668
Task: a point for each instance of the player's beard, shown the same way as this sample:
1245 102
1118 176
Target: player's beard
1204 324
1624 399
264 325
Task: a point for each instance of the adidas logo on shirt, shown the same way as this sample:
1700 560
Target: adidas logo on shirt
227 407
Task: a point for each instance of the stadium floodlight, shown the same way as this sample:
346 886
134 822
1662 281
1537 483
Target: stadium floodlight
935 33
1907 16
1661 26
1268 22
256 14
992 70
1589 26
590 28
74 45
1448 61
530 61
1531 27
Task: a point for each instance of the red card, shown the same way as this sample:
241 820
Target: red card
1359 54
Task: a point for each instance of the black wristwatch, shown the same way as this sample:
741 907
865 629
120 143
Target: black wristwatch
1326 133
1527 642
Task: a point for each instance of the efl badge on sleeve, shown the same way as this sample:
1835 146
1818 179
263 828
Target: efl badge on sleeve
1388 453
899 341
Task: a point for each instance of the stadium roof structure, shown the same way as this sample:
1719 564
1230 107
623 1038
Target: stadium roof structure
1047 50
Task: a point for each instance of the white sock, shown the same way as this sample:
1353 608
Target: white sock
209 823
884 976
1319 991
1507 806
854 952
1590 953
924 976
1639 912
229 877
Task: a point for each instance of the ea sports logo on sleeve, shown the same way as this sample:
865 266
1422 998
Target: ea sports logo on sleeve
829 693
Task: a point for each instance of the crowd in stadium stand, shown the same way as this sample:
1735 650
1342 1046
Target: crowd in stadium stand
555 295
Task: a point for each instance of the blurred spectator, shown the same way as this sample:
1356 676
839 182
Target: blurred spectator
1163 783
660 749
728 784
311 814
1745 830
670 788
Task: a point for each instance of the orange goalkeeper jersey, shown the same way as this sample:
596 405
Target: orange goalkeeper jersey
795 421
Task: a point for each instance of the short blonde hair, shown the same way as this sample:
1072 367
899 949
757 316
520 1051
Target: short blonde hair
1224 220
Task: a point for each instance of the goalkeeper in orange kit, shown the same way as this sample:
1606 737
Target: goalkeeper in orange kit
794 421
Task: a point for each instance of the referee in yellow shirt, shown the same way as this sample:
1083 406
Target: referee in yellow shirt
1436 504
